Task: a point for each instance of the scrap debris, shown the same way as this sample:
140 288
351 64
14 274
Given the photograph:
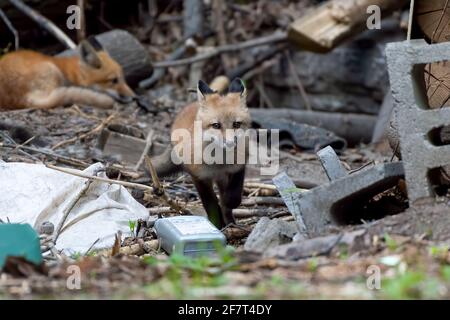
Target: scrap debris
84 180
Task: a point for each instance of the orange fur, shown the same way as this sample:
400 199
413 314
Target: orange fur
224 109
29 79
221 119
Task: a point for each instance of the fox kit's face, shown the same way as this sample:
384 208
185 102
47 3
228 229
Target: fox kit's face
224 118
102 71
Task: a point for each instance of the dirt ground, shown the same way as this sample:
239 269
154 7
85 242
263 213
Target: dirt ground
409 250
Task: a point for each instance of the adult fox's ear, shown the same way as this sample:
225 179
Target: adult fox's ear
89 55
202 90
238 86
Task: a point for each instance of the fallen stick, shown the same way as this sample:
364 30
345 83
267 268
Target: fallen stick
44 23
233 233
133 250
245 213
159 73
159 191
297 81
244 68
87 176
160 210
97 129
81 32
262 201
11 28
218 7
259 185
17 147
355 128
70 206
57 157
273 38
148 145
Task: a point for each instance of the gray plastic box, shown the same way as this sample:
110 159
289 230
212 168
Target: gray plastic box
189 235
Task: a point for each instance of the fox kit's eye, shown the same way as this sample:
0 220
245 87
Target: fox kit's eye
216 125
237 124
115 80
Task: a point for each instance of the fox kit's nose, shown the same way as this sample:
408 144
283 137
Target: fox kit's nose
126 91
229 144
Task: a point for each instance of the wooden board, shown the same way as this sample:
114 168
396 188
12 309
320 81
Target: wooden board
328 25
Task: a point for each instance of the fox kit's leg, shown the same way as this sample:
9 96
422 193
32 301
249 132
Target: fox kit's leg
231 194
209 200
68 95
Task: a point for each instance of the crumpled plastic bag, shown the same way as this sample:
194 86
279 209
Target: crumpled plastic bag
33 193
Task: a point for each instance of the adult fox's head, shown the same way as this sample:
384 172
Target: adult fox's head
224 118
99 70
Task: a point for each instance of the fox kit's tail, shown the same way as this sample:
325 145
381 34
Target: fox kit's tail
164 165
69 95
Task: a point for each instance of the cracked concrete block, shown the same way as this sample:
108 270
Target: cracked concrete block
270 233
332 203
414 120
290 195
331 163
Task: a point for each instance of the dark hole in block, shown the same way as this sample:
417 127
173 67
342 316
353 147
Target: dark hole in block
439 136
359 209
439 179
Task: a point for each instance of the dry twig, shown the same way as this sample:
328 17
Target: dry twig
97 129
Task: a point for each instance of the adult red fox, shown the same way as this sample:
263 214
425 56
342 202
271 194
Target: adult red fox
222 118
29 79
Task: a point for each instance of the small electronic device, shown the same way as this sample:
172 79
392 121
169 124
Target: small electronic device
189 235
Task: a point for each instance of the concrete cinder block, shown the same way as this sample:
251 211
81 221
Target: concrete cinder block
290 195
414 120
328 204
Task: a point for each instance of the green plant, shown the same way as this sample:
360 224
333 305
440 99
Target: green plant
313 264
445 273
412 285
390 242
76 256
404 286
439 252
183 273
132 225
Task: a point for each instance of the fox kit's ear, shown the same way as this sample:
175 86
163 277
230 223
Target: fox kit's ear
89 55
238 86
202 90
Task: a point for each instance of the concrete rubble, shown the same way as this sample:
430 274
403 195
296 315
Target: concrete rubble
331 203
270 233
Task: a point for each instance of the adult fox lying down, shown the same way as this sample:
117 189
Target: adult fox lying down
29 79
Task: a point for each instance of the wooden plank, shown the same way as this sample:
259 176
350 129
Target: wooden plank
328 25
124 147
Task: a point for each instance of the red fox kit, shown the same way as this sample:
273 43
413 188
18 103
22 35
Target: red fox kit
221 118
29 79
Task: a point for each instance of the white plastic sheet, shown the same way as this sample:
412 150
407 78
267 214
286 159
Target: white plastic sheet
32 193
